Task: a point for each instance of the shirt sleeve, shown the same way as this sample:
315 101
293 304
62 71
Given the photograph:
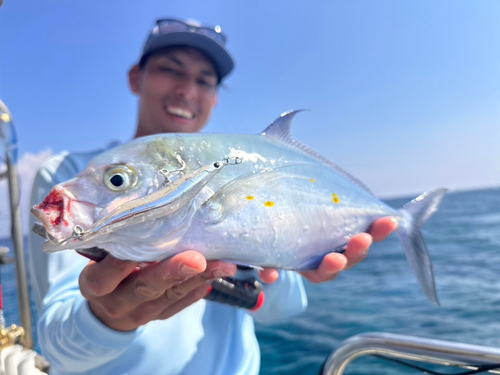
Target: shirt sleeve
70 336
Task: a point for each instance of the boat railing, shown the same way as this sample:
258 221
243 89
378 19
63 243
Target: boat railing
402 347
9 139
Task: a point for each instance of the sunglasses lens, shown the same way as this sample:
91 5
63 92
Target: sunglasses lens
173 26
169 26
212 34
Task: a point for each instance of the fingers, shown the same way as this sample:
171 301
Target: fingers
357 248
358 245
269 275
147 294
153 280
331 265
328 269
382 228
179 295
177 301
99 279
180 305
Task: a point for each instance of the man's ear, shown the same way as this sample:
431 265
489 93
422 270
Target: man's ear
134 79
216 100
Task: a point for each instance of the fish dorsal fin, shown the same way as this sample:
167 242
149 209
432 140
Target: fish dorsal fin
280 131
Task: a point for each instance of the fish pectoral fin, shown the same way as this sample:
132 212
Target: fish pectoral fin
255 193
237 195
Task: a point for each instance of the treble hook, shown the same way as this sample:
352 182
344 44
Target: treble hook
165 172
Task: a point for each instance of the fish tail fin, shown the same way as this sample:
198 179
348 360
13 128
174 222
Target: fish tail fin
414 214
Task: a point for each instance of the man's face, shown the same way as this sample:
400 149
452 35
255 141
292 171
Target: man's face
178 91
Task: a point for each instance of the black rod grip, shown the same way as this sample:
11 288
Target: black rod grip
247 293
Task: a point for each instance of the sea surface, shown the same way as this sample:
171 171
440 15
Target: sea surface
382 295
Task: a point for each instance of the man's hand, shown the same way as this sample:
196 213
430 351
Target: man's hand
124 297
333 263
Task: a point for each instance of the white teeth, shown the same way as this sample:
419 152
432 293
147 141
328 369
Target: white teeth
180 112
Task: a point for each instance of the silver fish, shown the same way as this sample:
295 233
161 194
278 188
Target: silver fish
264 200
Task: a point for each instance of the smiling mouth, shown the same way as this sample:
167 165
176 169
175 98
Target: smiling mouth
179 112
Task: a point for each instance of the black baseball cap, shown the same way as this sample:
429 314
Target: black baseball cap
172 32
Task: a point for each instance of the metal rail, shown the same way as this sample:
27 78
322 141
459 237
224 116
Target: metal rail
446 353
8 136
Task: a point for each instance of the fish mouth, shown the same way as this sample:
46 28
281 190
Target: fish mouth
58 211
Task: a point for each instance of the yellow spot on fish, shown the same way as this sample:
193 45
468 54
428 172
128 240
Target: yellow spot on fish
312 180
335 198
5 117
269 204
250 198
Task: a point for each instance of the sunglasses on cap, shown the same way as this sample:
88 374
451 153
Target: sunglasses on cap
166 26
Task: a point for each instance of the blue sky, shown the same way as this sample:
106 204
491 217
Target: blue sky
403 94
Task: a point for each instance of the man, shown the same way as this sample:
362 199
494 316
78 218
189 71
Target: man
117 319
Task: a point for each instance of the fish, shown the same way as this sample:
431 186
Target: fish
264 200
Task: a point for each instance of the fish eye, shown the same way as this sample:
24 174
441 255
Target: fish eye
120 178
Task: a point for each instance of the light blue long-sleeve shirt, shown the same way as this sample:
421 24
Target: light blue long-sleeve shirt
205 338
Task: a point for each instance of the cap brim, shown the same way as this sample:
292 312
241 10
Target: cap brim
219 56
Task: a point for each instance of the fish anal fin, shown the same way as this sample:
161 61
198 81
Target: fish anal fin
313 263
243 265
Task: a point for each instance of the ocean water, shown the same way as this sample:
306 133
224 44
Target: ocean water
382 295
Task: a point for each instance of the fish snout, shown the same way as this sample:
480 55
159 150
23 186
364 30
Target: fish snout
60 211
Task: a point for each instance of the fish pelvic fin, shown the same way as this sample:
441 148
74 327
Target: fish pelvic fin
280 131
415 213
